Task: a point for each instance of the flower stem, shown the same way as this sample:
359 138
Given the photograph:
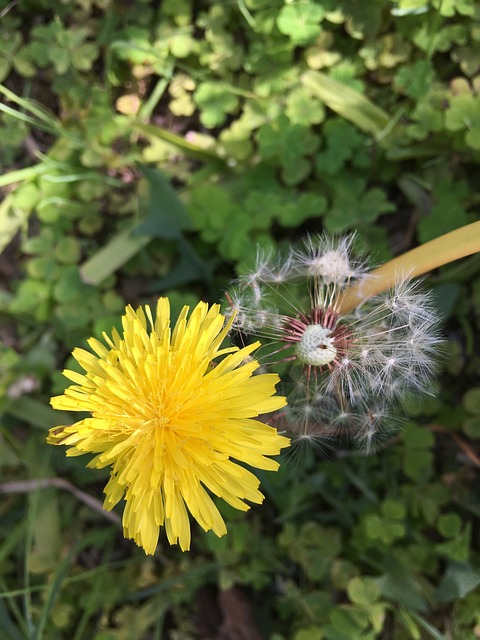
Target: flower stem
431 255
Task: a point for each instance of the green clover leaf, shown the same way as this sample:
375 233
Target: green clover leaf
464 113
415 80
341 141
303 108
447 212
354 205
288 144
300 21
215 101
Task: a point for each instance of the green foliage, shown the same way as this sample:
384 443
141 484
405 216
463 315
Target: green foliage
418 456
215 102
471 403
148 150
300 21
463 114
287 145
65 49
447 212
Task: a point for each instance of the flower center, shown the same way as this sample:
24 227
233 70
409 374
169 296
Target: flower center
162 421
316 346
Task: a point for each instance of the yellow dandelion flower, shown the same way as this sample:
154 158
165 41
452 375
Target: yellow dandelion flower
170 422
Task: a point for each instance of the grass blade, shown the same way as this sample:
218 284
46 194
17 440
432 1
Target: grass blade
36 414
347 102
112 256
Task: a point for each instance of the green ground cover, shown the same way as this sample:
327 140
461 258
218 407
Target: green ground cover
146 149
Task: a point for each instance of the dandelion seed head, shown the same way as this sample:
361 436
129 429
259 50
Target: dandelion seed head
363 361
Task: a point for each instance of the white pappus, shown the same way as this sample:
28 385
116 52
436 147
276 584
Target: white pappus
350 371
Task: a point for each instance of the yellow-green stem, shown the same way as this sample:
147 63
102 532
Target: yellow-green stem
447 248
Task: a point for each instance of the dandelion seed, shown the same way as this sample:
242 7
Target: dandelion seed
171 424
363 361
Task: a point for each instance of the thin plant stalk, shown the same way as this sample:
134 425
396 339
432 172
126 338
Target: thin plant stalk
431 255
